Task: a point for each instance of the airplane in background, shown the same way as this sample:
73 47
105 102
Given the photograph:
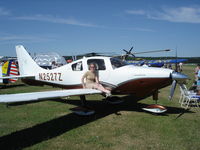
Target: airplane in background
150 63
9 68
7 58
114 74
156 63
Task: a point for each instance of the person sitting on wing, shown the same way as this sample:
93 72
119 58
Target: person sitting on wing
92 80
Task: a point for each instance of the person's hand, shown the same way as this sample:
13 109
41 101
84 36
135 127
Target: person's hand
84 86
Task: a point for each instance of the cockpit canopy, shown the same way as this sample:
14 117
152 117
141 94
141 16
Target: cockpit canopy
117 63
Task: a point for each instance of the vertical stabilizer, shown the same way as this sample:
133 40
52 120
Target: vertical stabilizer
13 71
27 66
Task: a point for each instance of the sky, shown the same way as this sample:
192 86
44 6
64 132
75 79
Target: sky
71 27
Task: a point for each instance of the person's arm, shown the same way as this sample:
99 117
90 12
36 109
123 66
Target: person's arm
82 80
97 78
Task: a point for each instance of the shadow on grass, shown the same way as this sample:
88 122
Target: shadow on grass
5 86
23 103
58 126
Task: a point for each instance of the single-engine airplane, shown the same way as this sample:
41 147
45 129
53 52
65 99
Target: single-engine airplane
113 73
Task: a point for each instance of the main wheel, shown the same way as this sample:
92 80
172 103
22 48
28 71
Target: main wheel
114 100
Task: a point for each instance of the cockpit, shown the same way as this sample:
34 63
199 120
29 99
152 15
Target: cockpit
117 63
102 64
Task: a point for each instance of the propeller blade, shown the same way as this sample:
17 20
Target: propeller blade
172 89
130 49
125 50
165 50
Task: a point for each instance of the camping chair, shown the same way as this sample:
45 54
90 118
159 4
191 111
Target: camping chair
187 97
181 94
184 89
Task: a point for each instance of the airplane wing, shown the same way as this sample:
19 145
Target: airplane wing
19 76
36 96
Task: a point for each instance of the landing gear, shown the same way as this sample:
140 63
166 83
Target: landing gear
83 100
114 100
155 96
83 110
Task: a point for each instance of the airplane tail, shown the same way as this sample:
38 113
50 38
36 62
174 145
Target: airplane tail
8 69
27 66
13 71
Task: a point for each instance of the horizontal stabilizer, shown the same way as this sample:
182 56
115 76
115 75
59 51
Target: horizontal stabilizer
35 96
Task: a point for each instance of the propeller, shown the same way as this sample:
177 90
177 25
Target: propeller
179 78
128 53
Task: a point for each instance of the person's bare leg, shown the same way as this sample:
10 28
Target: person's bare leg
101 88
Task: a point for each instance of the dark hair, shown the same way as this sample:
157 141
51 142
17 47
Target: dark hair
198 64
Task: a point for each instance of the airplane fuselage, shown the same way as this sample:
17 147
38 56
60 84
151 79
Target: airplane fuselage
113 73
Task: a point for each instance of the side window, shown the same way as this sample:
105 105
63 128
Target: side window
77 66
100 64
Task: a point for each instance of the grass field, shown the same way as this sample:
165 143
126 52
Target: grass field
50 125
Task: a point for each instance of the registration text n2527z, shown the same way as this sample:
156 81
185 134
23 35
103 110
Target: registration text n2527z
50 76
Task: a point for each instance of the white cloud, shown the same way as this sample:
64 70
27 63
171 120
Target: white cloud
179 14
136 29
24 38
135 12
53 19
4 12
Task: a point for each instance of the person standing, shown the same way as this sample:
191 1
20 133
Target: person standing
180 67
196 71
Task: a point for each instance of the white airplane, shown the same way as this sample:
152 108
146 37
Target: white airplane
113 73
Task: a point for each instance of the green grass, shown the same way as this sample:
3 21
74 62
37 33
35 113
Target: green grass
50 125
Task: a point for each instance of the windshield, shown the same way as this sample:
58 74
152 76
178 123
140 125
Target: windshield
116 63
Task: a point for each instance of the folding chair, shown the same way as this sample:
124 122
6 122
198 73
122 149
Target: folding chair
187 97
182 94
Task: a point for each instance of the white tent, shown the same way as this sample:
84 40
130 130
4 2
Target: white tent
45 60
